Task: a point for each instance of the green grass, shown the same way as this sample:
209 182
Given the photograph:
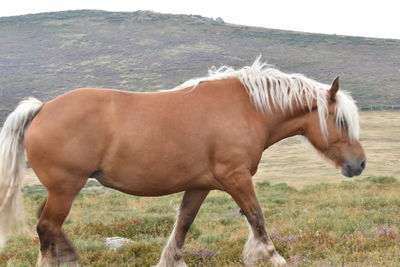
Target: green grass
353 223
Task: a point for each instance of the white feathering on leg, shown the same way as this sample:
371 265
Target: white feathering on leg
171 255
256 251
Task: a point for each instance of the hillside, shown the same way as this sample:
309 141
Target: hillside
47 54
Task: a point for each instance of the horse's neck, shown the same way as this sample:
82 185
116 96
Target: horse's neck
286 125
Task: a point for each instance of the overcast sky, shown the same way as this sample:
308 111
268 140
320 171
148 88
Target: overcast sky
376 18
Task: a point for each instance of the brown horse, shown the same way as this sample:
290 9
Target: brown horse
206 134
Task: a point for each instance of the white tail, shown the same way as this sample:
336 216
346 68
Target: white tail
12 165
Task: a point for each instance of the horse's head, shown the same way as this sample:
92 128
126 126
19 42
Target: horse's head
339 140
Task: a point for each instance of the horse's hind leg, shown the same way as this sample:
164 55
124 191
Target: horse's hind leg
172 254
55 248
259 247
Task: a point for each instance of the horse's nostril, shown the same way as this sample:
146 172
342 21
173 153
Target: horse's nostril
362 164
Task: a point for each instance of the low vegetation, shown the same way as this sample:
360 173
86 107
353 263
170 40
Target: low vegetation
353 223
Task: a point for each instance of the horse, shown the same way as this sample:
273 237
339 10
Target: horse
207 134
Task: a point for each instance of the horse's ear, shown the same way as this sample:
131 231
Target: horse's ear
334 89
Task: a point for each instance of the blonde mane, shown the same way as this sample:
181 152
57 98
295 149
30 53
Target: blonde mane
269 87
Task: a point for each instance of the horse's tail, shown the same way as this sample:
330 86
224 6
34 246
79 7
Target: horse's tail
12 165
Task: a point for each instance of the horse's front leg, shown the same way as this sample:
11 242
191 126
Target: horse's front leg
172 253
259 247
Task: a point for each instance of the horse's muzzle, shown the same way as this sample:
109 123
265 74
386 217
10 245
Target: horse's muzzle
354 167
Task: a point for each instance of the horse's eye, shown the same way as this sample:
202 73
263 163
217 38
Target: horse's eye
343 123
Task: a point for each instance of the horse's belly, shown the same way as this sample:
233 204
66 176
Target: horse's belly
155 186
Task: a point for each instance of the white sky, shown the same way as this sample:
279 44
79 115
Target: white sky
370 18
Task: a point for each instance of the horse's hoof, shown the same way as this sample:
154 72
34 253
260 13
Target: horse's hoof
277 260
180 263
46 262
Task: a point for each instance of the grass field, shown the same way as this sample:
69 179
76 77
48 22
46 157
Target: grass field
314 216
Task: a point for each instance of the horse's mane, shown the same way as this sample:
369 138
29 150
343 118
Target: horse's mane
269 87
